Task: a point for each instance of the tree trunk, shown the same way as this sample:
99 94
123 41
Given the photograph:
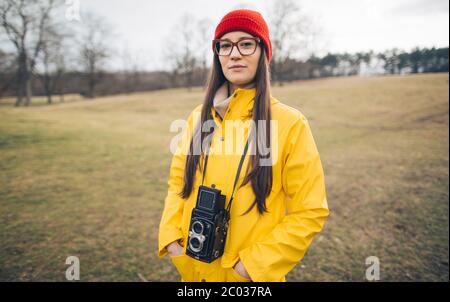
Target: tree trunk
20 79
19 92
48 87
61 92
91 89
28 89
49 98
25 79
91 85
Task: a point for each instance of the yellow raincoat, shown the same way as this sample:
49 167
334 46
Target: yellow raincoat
268 245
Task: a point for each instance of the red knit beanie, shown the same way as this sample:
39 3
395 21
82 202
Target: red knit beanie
246 20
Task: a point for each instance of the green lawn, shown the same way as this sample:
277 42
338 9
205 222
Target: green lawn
88 178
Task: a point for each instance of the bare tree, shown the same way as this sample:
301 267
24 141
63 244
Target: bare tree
204 41
180 50
53 60
24 23
46 76
131 70
7 65
60 60
94 51
291 32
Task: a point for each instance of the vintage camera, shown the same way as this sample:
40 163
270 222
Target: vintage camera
209 225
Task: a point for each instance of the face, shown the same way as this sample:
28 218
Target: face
243 75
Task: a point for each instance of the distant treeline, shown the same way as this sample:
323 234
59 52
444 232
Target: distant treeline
42 53
389 62
419 60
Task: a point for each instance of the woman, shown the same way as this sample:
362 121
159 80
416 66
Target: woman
279 203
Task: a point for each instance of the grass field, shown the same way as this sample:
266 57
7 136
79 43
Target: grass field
88 178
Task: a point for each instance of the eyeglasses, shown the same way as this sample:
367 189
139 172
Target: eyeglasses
246 46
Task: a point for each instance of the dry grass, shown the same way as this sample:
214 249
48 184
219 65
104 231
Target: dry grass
88 178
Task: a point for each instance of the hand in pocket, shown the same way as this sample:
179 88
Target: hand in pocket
175 249
239 268
234 276
184 267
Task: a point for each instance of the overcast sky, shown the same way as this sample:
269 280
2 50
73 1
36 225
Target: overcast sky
346 25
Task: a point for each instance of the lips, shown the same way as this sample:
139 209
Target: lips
237 66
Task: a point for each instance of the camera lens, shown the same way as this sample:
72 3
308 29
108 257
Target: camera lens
197 227
196 236
195 243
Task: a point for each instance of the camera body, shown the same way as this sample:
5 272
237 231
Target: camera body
209 225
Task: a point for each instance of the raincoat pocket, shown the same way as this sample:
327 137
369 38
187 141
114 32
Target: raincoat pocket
233 276
184 266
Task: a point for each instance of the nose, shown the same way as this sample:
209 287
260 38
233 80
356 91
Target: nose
235 53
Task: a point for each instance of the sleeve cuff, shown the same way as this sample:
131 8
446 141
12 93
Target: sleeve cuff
166 238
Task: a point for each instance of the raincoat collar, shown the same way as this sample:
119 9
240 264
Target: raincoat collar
238 105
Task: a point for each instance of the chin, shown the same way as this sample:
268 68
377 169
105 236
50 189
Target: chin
239 80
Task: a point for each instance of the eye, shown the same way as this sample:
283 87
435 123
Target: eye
246 44
225 45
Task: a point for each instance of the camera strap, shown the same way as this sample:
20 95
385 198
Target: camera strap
241 162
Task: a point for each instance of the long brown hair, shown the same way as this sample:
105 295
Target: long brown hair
260 176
